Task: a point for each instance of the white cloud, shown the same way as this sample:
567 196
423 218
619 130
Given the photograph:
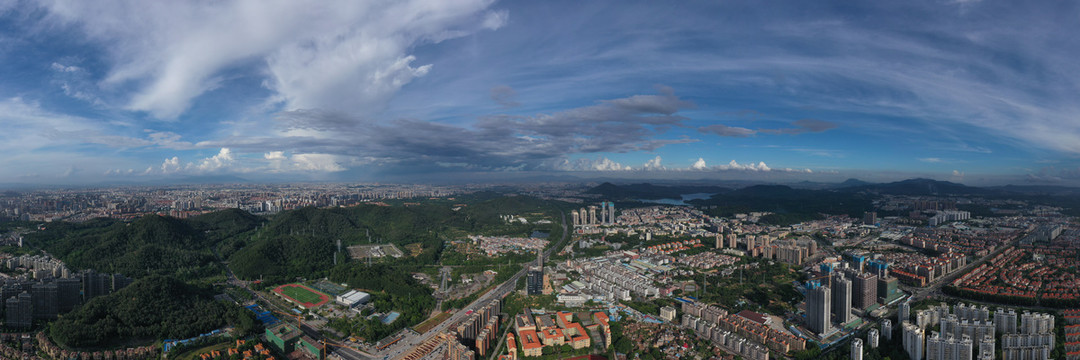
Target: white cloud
494 20
65 68
170 165
653 164
699 164
223 159
344 55
600 164
274 155
931 160
733 165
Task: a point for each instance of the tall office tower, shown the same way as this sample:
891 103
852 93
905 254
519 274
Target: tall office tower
1005 321
904 313
856 349
872 338
611 212
68 292
719 241
730 240
584 216
913 340
592 215
45 300
750 239
886 329
841 301
574 217
864 291
818 307
20 311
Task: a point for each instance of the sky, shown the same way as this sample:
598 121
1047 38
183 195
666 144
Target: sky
977 92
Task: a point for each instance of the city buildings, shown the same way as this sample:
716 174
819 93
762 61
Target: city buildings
667 313
818 308
841 300
864 291
913 340
872 338
856 349
948 347
19 311
352 298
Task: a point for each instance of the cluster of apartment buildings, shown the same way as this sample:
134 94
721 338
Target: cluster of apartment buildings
925 272
588 216
475 335
969 332
24 300
619 279
495 245
840 289
710 321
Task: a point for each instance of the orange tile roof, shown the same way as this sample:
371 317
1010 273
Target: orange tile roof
529 340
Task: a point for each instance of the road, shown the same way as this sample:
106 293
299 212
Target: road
498 292
411 340
935 287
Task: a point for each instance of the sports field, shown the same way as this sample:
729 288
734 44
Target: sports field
302 295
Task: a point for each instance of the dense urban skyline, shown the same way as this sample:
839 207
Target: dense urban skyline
977 92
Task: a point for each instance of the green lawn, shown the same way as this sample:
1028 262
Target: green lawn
301 294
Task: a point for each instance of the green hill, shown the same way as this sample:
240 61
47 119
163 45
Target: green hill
151 309
149 245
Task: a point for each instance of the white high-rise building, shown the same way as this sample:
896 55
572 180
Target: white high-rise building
841 300
886 329
904 313
872 338
1005 321
913 340
856 349
818 309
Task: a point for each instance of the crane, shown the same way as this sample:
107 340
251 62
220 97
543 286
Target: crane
298 318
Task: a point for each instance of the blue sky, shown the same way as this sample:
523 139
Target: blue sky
979 92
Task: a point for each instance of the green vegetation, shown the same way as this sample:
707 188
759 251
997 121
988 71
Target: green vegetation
765 287
302 243
789 205
153 308
391 289
153 244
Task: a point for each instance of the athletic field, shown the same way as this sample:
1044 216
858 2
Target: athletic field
302 295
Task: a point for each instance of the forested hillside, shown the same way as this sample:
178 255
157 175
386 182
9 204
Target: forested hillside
153 308
150 245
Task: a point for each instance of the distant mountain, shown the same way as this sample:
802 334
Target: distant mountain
770 191
920 187
853 182
652 192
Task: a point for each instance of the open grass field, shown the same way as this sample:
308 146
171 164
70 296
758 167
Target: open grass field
302 295
431 323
